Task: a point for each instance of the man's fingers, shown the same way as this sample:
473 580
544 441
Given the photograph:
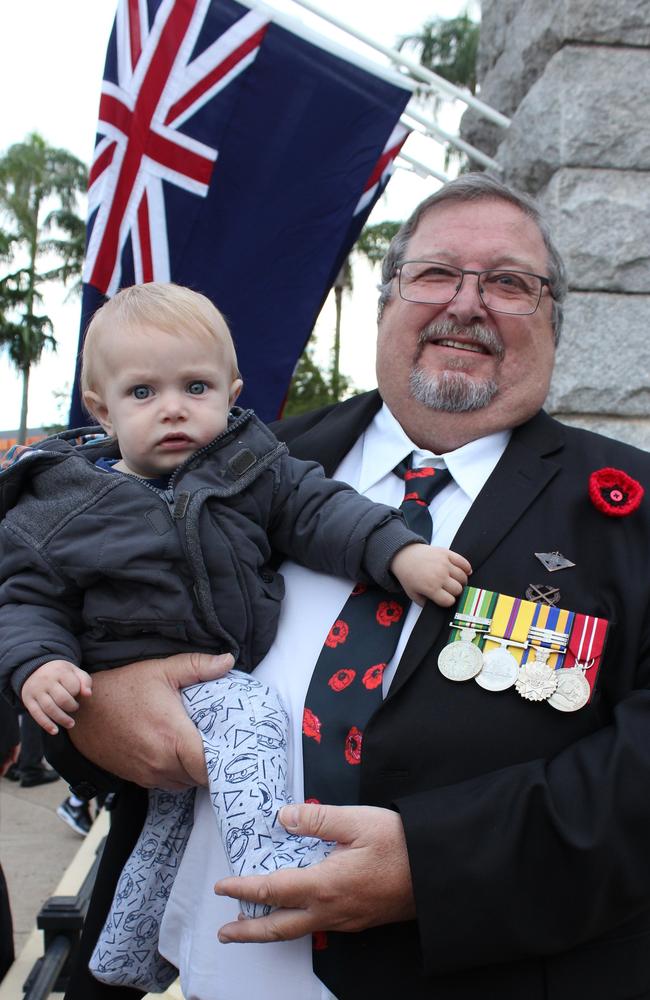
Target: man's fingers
186 669
281 925
310 819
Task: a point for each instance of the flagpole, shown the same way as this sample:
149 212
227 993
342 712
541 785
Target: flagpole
421 169
435 132
436 82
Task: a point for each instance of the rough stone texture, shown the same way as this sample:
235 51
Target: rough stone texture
518 37
603 361
583 111
632 431
600 220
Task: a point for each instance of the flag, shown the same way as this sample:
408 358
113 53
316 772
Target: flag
240 158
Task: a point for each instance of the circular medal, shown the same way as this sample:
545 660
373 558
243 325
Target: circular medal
460 661
572 691
536 681
499 670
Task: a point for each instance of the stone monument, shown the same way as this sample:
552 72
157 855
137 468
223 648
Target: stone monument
574 77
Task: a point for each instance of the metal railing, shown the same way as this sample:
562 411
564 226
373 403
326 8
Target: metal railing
61 919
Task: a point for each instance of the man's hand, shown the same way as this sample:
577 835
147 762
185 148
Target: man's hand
136 727
366 880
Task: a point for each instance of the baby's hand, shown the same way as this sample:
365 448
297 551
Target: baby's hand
425 571
52 691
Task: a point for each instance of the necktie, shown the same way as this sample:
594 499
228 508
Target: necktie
346 685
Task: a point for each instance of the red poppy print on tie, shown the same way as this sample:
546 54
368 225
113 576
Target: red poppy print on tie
341 679
415 498
313 801
359 588
353 743
389 612
373 676
319 940
614 493
423 473
310 725
337 634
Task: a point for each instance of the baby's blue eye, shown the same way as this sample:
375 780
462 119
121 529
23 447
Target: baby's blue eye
140 391
196 388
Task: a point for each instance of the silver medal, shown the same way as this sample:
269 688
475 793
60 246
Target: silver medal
536 681
572 691
462 660
499 670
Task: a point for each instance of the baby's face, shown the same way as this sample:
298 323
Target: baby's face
164 396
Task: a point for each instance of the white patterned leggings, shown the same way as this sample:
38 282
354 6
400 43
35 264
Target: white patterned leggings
244 727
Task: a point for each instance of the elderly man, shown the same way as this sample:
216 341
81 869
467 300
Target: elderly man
497 847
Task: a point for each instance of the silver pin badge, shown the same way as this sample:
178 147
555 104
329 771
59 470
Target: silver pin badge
552 561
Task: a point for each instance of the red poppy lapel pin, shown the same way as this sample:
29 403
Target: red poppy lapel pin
614 493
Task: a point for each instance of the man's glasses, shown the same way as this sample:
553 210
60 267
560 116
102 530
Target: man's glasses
514 292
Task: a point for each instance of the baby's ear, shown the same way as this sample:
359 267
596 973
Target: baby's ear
99 410
235 388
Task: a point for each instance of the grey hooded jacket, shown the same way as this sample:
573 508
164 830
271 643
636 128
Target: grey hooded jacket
103 569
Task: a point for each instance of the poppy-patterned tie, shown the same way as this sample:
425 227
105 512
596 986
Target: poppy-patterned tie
346 685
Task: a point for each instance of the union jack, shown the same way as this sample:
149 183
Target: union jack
240 157
160 87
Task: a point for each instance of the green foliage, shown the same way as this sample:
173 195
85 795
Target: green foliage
448 47
310 389
374 240
39 186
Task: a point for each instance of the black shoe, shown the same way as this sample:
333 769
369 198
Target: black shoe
13 774
77 817
33 776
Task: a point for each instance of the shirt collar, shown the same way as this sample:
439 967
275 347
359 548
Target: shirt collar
386 444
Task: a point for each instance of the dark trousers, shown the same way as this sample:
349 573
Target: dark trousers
6 928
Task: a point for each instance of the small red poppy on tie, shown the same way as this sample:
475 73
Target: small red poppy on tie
615 493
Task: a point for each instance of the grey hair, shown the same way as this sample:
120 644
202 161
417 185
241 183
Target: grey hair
477 187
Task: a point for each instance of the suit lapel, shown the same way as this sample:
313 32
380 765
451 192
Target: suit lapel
329 438
525 469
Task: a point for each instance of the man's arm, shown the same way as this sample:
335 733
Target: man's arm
134 725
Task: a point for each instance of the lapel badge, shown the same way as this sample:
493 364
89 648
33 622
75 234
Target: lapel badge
542 593
553 561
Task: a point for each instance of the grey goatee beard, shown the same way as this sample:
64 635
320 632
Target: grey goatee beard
454 391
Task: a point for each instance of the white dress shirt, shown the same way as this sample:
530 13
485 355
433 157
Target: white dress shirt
283 971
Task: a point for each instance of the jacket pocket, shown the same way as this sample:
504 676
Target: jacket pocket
117 628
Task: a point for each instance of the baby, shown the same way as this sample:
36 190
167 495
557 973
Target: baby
158 540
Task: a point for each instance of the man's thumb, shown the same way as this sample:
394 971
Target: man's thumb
315 820
193 668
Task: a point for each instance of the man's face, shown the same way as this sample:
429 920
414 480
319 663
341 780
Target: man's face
460 357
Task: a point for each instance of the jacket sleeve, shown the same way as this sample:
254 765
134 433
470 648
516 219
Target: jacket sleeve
329 527
39 612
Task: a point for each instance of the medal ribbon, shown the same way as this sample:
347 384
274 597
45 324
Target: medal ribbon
557 620
476 603
511 620
586 645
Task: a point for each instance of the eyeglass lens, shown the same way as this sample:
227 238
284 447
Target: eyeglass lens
504 291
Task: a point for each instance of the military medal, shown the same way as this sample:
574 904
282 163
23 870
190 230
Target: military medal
572 691
461 659
499 671
585 647
536 681
505 643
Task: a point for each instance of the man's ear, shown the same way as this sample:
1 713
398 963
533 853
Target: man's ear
235 389
99 410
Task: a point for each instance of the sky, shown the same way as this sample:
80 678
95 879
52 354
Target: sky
51 64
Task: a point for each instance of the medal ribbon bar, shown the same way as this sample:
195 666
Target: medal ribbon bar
586 645
511 621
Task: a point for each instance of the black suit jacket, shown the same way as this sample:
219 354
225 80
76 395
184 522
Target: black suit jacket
528 829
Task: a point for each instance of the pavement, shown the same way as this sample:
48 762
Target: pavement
41 857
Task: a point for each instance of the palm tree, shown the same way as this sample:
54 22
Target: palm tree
448 47
39 185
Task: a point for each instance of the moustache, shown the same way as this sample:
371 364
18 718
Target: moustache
448 330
